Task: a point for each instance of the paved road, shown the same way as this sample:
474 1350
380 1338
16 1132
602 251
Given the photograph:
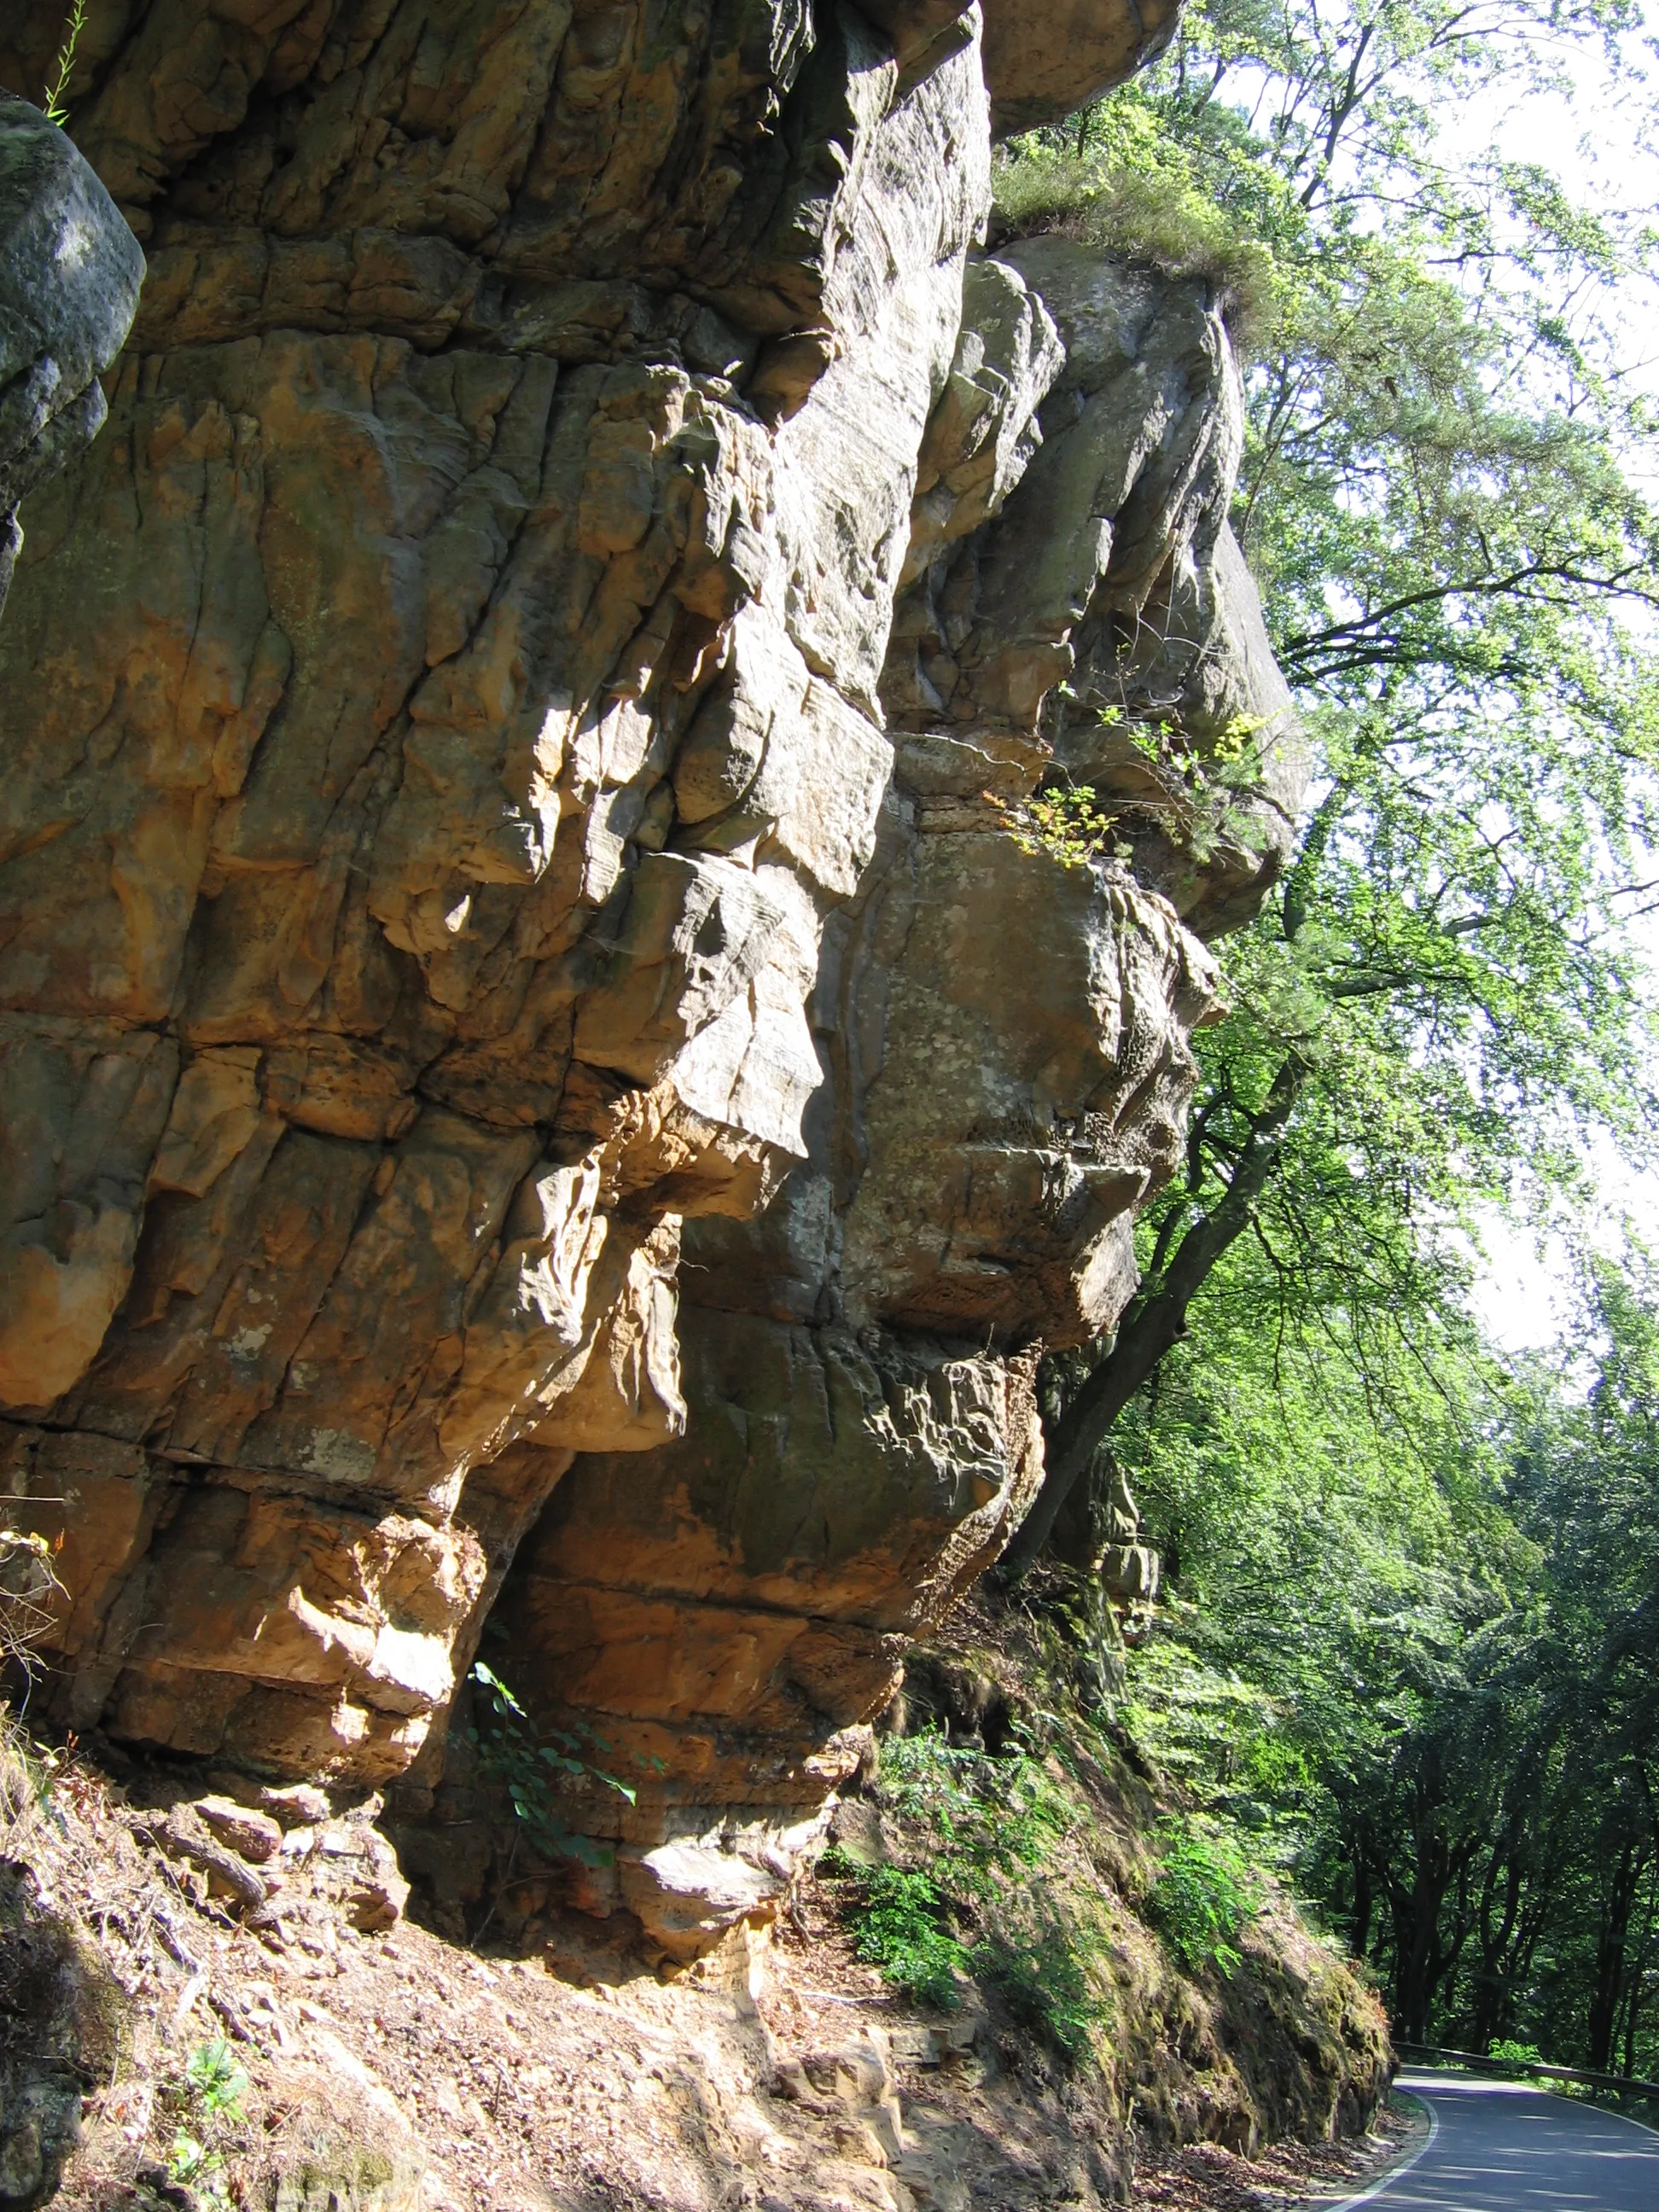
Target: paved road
1498 2147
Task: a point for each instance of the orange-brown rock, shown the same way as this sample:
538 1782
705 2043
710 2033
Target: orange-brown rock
457 898
1003 1028
372 1009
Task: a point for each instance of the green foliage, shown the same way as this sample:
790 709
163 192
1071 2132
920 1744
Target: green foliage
1443 500
206 2102
1073 825
216 2081
900 1925
994 1815
1508 2052
1067 821
189 2160
54 103
1045 1964
985 1903
529 1760
1416 1660
1135 195
1412 1646
1203 1894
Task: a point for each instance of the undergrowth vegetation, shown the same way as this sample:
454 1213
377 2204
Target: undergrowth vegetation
984 1901
530 1760
994 1882
205 2100
1407 1651
1204 1893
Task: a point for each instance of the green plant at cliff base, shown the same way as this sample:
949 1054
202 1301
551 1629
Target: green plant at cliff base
985 1904
1203 1894
1045 1965
528 1760
207 2104
900 1925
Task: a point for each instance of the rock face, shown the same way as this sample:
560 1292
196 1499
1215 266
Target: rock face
1004 1037
518 738
70 272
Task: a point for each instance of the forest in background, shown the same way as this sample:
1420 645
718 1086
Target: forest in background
1407 1648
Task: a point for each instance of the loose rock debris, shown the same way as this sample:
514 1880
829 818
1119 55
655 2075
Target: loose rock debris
252 2020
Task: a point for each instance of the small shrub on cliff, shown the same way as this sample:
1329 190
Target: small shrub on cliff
1067 822
1203 1894
990 1901
1129 193
529 1761
206 2105
1040 1959
899 1924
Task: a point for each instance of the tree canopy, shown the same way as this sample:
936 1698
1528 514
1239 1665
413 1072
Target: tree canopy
1411 1642
1414 1653
1443 501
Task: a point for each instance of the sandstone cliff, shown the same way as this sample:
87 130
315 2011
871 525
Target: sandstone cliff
541 1074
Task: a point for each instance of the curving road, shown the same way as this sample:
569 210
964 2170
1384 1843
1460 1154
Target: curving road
1496 2147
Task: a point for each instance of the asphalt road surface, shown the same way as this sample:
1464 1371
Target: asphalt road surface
1498 2147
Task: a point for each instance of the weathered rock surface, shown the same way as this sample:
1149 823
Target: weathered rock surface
1003 1037
70 272
59 2015
455 870
1042 61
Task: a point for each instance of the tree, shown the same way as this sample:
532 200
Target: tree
1412 1649
1440 499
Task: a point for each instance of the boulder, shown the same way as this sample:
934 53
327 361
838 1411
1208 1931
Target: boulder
69 273
1043 61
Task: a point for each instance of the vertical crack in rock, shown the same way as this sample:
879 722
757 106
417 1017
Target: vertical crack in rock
536 1082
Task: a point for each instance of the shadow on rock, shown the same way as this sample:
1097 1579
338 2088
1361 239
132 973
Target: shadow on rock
60 2015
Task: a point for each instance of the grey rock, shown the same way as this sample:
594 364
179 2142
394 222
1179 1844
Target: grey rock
1043 61
69 274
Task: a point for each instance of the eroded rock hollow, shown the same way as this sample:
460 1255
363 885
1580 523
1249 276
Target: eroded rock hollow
541 1071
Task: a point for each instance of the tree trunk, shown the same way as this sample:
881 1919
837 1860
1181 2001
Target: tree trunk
1359 1932
1608 1994
1158 1322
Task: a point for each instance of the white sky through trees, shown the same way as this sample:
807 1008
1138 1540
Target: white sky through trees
1602 141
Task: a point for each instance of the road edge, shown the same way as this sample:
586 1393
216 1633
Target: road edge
1401 2165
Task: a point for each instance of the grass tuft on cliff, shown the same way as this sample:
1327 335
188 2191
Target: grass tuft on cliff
1124 197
